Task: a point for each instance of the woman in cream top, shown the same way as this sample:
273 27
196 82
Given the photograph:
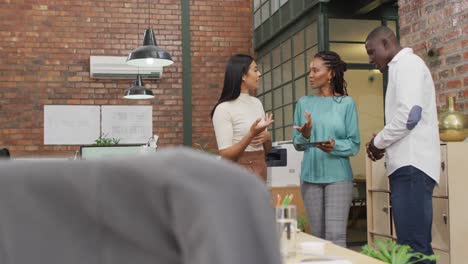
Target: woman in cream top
239 119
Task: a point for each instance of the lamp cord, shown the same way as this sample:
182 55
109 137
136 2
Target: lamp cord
149 14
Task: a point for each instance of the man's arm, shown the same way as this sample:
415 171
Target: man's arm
410 78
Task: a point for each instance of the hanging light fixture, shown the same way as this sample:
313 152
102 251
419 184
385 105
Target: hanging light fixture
149 54
138 90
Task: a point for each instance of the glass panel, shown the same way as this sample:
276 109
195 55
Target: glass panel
274 6
350 29
288 133
392 25
288 114
298 40
263 1
265 12
278 117
286 50
288 94
279 134
260 87
287 71
261 98
299 65
309 56
311 34
299 88
267 81
266 62
351 53
282 2
259 62
267 103
278 97
276 77
256 4
276 56
366 87
257 19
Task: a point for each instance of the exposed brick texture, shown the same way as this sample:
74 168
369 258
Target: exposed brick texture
219 29
44 59
439 27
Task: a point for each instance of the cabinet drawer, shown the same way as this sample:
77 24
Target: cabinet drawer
443 256
441 189
440 224
381 213
379 180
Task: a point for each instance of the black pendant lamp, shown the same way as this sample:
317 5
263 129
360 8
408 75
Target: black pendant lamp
138 90
149 54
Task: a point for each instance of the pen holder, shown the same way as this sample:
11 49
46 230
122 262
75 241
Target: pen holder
286 227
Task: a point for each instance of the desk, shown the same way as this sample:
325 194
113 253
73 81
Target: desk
330 250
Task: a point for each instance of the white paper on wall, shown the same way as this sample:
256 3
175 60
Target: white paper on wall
130 123
71 124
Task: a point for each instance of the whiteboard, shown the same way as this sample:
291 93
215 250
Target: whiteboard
131 124
71 124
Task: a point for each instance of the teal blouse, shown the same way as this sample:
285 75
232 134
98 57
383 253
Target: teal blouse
332 117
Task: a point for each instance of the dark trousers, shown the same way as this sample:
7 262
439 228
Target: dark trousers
411 199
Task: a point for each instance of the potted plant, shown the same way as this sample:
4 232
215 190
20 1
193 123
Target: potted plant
103 140
390 252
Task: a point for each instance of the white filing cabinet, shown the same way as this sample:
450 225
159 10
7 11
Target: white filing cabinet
450 204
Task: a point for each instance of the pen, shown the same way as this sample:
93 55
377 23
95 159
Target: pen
285 200
291 196
278 199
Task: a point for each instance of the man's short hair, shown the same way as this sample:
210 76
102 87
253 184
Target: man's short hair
382 32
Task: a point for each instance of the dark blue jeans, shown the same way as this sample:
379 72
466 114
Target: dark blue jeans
411 199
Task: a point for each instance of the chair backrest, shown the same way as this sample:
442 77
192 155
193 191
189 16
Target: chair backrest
4 153
176 206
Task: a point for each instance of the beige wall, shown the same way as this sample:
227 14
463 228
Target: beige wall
366 88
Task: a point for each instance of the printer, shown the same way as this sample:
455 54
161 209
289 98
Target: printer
283 165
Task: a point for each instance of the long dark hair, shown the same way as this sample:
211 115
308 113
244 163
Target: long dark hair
236 67
333 62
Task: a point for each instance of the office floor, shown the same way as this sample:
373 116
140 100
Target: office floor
357 233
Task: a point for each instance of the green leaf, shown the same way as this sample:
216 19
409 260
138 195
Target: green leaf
391 252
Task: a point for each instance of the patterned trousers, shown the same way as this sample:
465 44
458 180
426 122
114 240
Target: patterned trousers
327 206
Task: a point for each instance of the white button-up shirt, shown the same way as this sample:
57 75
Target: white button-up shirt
411 133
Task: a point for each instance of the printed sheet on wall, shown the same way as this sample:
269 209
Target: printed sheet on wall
71 124
129 123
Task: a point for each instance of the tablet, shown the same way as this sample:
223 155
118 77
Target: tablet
312 144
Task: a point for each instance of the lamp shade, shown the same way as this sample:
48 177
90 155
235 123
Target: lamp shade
138 90
149 54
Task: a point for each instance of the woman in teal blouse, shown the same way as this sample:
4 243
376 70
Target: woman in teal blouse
329 117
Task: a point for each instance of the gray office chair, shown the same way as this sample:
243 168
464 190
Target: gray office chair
4 153
176 206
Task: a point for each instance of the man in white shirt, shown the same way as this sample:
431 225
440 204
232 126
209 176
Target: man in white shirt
410 138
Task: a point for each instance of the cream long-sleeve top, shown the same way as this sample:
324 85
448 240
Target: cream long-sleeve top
411 133
232 120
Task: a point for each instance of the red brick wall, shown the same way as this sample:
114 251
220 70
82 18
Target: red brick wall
440 26
219 29
45 50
